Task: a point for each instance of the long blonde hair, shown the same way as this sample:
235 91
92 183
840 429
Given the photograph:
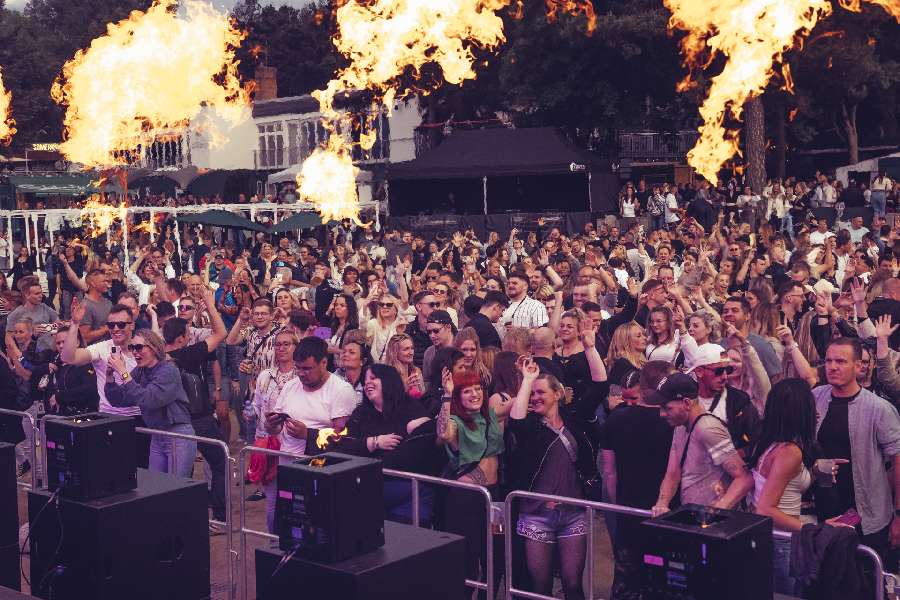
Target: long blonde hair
469 334
621 347
392 356
387 298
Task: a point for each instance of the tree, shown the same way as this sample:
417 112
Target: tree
755 143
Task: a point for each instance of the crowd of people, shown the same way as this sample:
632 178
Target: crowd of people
711 353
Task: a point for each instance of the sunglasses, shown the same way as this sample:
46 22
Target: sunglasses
386 304
432 304
434 331
136 347
440 291
722 370
117 324
431 277
185 307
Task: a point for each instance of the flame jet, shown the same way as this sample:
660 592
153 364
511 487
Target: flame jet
7 125
753 35
149 74
383 39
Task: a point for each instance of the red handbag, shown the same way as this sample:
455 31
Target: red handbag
263 467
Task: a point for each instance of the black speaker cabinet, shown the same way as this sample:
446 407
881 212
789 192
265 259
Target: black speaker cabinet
700 553
413 563
9 518
91 455
331 506
151 543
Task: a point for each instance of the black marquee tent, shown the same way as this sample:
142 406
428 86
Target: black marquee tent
500 170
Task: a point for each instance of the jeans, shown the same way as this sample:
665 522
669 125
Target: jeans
215 458
173 455
398 501
657 222
65 304
878 203
781 572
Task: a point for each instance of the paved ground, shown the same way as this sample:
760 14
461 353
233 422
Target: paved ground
255 515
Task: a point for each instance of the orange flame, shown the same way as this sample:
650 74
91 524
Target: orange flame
100 215
383 40
149 74
753 35
573 8
328 435
146 227
793 114
7 124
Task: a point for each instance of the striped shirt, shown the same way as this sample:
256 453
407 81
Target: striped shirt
528 313
703 480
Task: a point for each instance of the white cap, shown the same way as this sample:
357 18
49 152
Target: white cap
707 354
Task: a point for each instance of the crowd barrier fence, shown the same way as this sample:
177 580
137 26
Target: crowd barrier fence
35 440
591 507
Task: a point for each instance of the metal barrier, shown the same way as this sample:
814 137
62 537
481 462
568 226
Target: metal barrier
35 438
415 479
591 507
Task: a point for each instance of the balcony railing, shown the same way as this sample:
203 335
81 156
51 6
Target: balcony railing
654 146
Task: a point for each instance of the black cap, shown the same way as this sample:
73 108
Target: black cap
672 388
440 317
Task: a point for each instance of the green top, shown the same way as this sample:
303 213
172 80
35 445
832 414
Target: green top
473 443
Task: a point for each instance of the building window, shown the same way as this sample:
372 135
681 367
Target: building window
271 146
378 122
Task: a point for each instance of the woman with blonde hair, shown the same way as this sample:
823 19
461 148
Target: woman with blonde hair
400 354
626 351
384 326
764 322
662 338
467 342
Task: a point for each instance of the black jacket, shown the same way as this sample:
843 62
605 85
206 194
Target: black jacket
532 439
75 387
823 559
487 333
421 342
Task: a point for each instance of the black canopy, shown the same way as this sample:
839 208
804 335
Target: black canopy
221 218
302 220
499 153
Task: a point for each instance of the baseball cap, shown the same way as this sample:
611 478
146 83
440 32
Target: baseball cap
671 388
707 354
440 317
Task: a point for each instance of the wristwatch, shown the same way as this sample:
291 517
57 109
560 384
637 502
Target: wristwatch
125 376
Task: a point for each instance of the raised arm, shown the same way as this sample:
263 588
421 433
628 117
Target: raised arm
71 353
218 325
236 335
530 372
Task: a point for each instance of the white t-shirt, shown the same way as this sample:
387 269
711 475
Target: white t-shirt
99 355
335 399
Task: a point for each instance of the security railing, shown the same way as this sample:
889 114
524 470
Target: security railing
32 451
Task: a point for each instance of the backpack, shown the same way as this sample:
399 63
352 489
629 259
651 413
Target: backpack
197 394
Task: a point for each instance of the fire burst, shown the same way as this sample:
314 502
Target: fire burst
7 124
383 40
151 73
753 35
101 215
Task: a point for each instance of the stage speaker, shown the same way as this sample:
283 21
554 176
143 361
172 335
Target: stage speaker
701 553
91 455
8 594
151 543
413 563
9 518
331 506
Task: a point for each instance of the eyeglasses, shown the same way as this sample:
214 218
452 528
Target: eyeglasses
261 314
136 347
718 371
117 324
434 331
386 304
431 304
440 292
185 307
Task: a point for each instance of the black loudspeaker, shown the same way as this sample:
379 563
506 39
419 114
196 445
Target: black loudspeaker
91 456
9 518
700 553
151 543
331 506
413 563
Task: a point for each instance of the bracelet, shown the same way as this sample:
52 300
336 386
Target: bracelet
376 442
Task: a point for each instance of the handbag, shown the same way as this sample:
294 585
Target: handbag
264 467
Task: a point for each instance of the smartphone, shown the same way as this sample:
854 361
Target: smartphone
114 349
282 417
851 517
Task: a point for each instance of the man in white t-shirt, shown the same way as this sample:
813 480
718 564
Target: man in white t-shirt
121 325
315 399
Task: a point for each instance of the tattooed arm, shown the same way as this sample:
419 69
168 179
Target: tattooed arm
446 428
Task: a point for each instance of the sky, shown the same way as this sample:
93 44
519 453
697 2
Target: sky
223 4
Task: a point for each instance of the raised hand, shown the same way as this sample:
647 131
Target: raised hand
784 333
588 335
447 381
529 369
857 291
78 310
883 327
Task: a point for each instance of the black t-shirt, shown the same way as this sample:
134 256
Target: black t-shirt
834 438
77 265
487 333
641 440
191 358
550 367
576 371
